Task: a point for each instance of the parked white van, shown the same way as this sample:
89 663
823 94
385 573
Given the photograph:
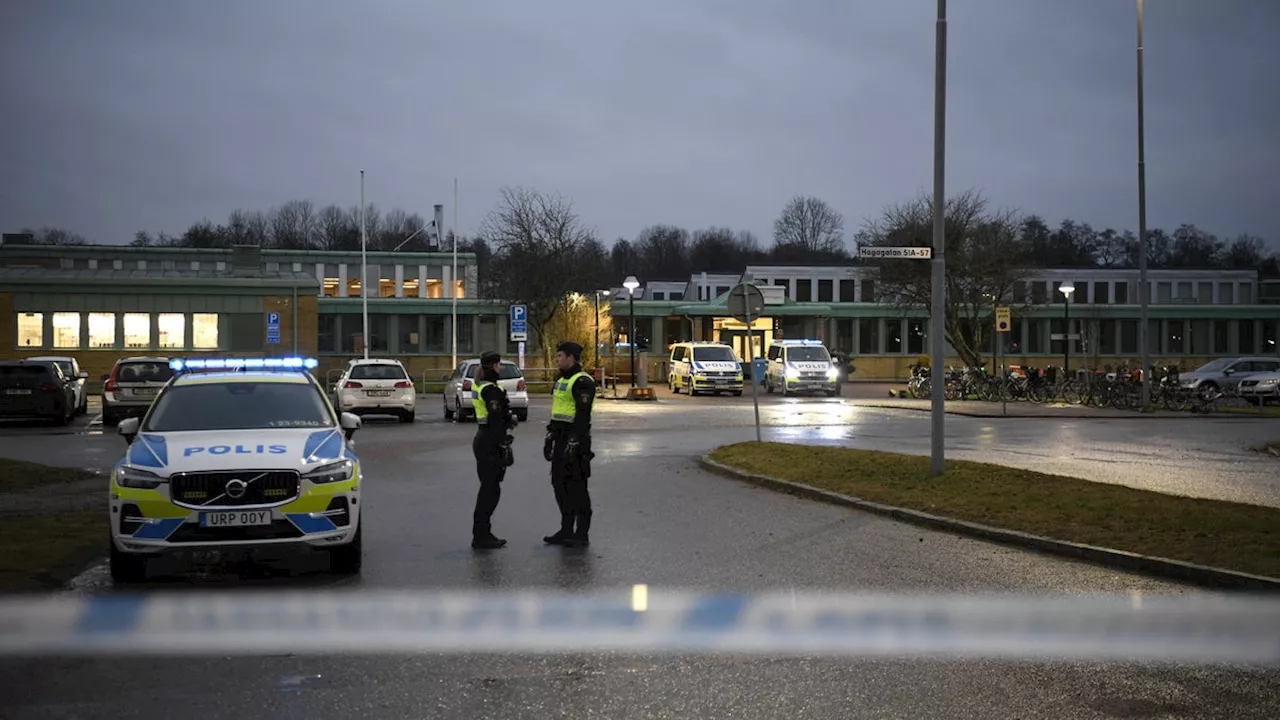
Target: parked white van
704 367
800 366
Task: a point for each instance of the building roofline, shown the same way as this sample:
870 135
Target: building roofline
63 250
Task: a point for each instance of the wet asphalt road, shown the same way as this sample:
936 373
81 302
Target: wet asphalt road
661 521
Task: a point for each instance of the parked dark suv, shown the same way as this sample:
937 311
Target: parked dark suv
36 390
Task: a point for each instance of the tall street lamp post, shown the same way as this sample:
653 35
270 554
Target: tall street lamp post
631 283
1144 290
1066 289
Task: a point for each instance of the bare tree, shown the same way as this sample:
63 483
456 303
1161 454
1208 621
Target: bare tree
335 231
809 225
54 236
1245 252
985 258
293 225
663 251
542 253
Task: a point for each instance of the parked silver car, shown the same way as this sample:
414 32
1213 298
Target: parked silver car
131 387
1261 387
1226 372
71 368
457 390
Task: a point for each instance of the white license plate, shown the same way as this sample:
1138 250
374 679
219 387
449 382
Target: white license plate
235 518
378 393
18 391
144 391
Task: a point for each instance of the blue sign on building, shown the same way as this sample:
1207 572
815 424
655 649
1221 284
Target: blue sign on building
519 323
273 327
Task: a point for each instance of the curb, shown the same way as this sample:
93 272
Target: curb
1056 416
1202 575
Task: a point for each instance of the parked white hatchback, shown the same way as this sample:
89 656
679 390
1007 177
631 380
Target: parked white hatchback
457 390
376 386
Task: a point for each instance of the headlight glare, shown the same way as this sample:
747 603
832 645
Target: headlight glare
132 477
333 472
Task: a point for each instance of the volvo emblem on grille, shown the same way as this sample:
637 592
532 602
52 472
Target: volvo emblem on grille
236 489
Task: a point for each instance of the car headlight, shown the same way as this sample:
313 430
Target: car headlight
132 477
793 374
333 472
1268 383
832 373
739 378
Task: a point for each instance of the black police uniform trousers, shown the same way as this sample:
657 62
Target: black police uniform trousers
490 469
569 482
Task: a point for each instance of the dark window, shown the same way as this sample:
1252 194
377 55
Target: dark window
1128 337
488 332
1038 292
1200 337
327 334
239 406
1247 339
1221 337
893 335
804 290
824 291
675 296
1019 292
466 334
847 293
844 331
1106 343
1153 337
1269 346
868 291
378 371
1035 337
1122 293
248 332
1177 340
379 333
785 285
868 335
915 336
408 338
352 326
1101 293
435 334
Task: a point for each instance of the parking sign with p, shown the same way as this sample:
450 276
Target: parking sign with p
519 323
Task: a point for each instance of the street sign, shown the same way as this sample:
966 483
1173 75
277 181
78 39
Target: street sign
273 328
901 253
746 302
519 323
1002 320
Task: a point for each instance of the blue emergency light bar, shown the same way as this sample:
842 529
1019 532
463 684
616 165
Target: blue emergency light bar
285 363
800 342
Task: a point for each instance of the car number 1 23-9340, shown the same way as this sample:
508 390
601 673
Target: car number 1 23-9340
235 518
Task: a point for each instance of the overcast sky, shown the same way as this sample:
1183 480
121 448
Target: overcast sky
122 115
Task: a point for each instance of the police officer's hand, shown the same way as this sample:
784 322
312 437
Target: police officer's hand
573 449
548 446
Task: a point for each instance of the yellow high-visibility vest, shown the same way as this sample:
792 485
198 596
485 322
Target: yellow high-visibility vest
477 403
563 407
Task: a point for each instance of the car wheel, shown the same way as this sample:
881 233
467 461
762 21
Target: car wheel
448 414
347 559
407 417
127 567
737 393
522 415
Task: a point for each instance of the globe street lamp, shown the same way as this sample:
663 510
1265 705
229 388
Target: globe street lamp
1066 289
631 283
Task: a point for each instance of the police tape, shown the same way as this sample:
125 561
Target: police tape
1208 629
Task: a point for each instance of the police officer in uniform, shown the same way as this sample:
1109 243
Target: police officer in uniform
568 446
491 446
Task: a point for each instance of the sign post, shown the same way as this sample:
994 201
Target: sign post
746 303
519 323
273 328
1002 327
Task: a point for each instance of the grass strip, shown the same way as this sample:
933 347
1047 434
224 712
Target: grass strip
18 475
1228 535
43 552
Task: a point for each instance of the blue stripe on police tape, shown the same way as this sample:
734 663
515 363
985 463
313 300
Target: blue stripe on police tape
111 615
715 613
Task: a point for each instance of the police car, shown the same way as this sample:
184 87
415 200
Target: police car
236 455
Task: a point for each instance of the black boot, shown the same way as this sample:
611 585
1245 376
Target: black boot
483 539
582 536
564 534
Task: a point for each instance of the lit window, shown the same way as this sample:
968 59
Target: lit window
102 330
66 330
137 330
330 288
204 331
435 289
411 288
459 291
172 328
386 288
30 329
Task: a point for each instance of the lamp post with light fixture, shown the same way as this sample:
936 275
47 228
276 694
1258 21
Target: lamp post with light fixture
631 283
1066 289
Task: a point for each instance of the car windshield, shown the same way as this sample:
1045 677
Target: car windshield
713 354
67 369
385 371
1215 366
808 354
144 372
245 405
508 371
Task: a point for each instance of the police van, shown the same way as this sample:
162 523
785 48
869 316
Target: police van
800 366
237 456
704 367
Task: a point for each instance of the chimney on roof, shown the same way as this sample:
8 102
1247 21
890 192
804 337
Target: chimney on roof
246 260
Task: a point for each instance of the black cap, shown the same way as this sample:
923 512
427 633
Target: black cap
490 357
569 347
